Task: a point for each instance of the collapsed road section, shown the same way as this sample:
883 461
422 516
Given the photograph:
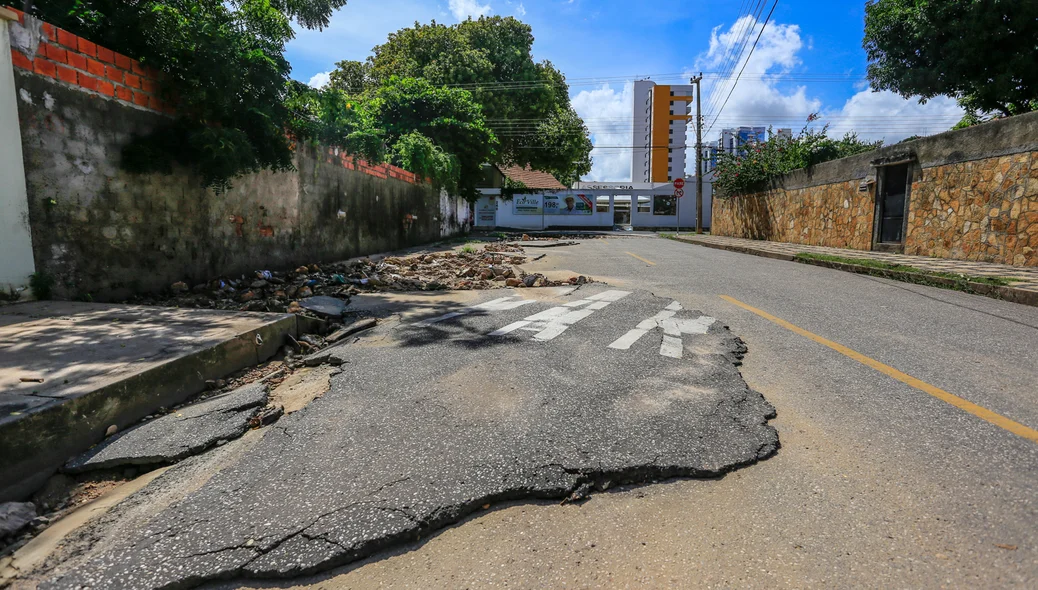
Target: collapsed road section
427 422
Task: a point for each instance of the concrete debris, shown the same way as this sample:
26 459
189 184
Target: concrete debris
187 431
324 306
358 326
267 415
14 516
322 292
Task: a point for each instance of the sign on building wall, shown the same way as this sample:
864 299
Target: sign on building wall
568 205
527 205
486 212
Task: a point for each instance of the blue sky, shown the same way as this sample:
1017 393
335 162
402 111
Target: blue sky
809 59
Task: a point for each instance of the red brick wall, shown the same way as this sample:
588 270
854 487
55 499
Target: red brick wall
85 65
75 61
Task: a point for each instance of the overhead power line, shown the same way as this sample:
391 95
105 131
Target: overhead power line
764 26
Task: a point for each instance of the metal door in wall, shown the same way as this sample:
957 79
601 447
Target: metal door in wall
890 205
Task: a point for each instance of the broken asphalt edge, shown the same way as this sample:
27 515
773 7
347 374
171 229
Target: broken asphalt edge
250 406
1011 294
584 480
35 446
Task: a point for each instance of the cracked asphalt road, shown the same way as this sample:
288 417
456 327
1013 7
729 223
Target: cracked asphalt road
428 422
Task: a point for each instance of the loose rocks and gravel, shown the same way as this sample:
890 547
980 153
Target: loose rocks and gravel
325 291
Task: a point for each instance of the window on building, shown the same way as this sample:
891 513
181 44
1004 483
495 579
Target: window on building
644 204
602 205
664 205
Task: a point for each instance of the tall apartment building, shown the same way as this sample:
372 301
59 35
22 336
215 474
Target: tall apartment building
734 141
661 116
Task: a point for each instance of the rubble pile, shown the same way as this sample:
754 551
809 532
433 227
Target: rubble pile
324 291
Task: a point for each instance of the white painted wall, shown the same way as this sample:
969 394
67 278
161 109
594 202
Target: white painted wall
486 208
16 259
686 210
506 217
455 214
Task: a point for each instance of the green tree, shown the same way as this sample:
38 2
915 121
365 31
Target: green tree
448 117
753 169
223 68
331 117
352 77
984 53
526 103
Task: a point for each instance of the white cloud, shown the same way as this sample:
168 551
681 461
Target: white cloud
770 92
463 9
320 79
607 114
520 10
885 115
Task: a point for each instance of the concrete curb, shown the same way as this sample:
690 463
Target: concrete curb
995 292
34 447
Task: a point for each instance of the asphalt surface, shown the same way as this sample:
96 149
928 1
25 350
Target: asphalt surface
877 484
513 395
177 435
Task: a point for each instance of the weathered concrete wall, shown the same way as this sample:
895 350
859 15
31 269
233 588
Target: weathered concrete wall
974 196
103 232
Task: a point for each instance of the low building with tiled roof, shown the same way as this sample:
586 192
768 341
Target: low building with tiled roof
494 177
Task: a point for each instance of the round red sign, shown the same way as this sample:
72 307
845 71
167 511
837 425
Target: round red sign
679 183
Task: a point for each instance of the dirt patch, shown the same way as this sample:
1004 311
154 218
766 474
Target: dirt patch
302 387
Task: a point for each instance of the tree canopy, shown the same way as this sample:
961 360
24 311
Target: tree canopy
984 53
526 103
224 69
437 100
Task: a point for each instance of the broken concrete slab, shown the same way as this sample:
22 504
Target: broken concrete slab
108 364
188 431
325 306
357 326
14 516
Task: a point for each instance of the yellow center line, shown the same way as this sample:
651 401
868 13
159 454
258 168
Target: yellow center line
649 262
978 411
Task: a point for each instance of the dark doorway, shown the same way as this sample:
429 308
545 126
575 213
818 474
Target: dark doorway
890 205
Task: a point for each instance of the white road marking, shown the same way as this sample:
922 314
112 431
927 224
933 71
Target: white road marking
698 325
609 296
578 303
672 347
510 328
550 323
624 342
502 304
672 329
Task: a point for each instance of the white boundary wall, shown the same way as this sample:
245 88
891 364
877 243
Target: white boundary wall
16 258
502 211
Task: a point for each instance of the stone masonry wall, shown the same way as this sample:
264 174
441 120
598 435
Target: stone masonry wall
985 210
103 233
834 215
974 196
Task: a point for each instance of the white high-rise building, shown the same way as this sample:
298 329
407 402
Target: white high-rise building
661 116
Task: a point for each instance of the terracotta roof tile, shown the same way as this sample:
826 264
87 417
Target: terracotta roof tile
533 179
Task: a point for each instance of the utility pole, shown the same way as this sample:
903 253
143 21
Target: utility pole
699 154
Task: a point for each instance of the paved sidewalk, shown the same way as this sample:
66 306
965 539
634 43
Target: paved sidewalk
1028 276
70 370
